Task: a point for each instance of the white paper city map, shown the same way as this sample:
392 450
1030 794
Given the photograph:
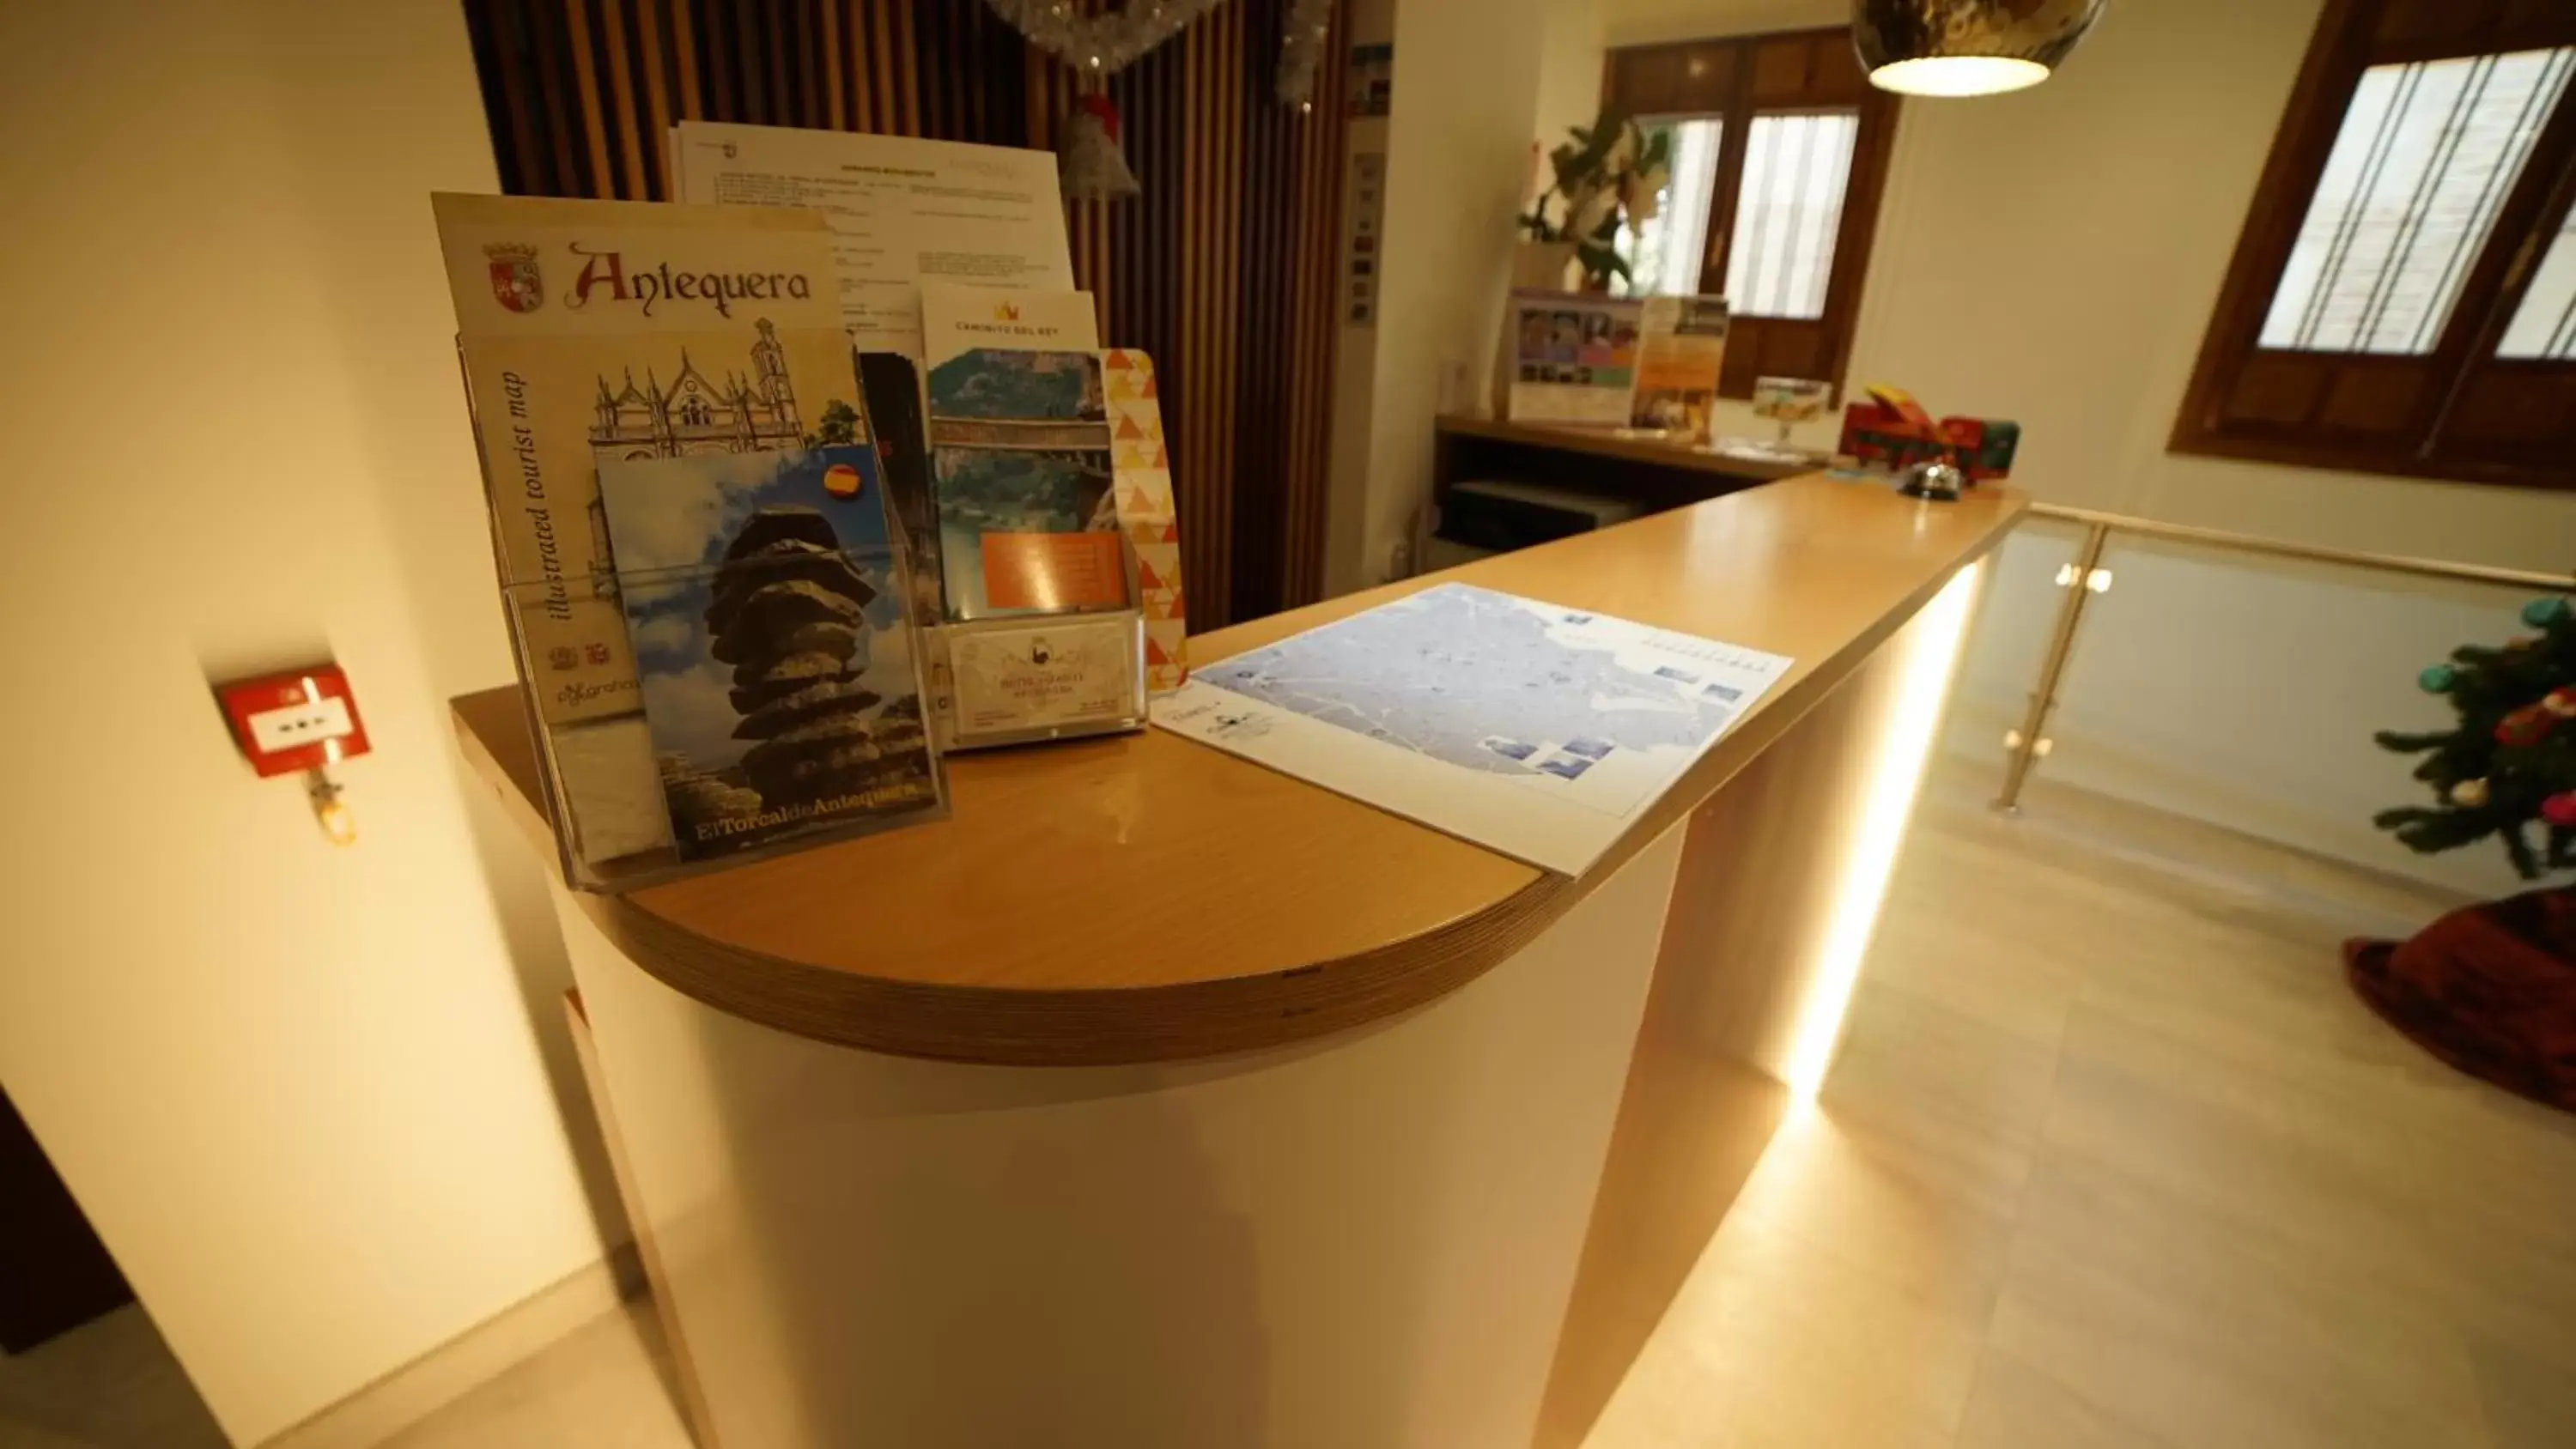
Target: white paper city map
1529 728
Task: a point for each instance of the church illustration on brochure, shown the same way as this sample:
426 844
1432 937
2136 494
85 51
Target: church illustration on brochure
694 414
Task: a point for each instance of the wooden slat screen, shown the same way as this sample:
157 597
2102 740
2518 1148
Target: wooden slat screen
1223 271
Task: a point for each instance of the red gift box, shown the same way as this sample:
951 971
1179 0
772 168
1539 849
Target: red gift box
1892 431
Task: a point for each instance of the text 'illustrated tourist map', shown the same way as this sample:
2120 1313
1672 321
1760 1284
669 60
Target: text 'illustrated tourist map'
1535 730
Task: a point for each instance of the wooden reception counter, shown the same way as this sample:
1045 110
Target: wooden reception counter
1158 1099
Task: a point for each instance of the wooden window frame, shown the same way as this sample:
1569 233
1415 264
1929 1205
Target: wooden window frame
1735 78
2443 415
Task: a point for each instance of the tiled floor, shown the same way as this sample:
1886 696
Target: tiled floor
108 1384
2111 1160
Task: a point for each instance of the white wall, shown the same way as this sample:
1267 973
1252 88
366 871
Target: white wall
2053 257
1458 156
1569 73
297 1089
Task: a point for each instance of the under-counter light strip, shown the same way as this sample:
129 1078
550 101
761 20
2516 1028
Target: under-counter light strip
1932 645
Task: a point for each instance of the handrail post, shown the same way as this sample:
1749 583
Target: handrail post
2027 743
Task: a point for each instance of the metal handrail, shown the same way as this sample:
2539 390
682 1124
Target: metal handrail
2423 568
2086 577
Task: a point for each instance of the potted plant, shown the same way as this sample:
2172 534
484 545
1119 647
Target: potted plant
1611 174
2491 989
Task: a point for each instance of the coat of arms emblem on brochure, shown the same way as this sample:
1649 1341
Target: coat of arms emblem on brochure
515 283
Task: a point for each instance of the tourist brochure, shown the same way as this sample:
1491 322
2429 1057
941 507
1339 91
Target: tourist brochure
602 330
957 320
1677 369
781 680
1022 473
1539 731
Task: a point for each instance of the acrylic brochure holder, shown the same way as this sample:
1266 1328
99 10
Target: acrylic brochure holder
627 815
773 698
1018 680
1042 506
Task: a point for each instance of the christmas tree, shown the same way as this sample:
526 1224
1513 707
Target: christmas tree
2511 762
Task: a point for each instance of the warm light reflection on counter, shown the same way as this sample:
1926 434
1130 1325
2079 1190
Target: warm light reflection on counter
1932 645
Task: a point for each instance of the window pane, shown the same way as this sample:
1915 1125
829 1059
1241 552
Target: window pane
1663 254
1795 169
2545 324
2426 155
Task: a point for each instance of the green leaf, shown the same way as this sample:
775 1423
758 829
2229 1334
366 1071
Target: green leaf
1600 262
2406 744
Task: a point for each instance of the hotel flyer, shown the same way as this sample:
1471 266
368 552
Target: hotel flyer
902 211
1536 730
1069 673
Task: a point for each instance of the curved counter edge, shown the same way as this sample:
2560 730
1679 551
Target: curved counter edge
1117 1023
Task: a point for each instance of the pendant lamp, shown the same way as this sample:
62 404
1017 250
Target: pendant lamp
1966 47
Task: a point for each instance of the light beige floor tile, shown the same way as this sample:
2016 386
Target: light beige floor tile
2530 1401
17 1433
2162 1104
2504 1163
2015 1406
1977 969
2284 1015
109 1384
2498 1280
1778 1343
1885 1210
2204 1330
600 1387
1954 1102
1913 1162
2232 1207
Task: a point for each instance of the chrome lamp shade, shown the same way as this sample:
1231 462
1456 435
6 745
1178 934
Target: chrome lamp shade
1966 47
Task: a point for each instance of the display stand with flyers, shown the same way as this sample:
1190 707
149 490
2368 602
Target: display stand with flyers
758 581
696 557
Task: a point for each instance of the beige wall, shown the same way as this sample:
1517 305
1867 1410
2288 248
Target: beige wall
2053 257
1458 155
297 1089
1569 73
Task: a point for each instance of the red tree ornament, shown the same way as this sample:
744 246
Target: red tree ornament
2524 727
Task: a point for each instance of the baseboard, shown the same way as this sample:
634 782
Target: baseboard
437 1378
